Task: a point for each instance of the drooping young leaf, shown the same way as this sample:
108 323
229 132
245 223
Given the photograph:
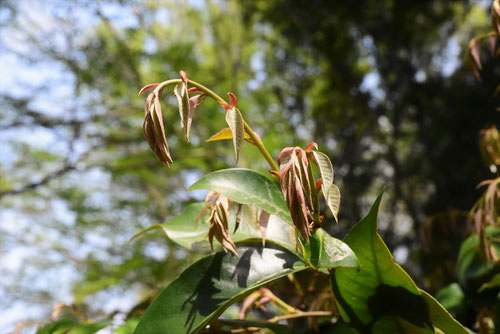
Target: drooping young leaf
246 187
204 290
181 93
225 134
295 186
333 200
380 297
147 87
235 122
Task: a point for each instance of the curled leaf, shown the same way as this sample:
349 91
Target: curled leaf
235 122
218 219
224 105
492 40
193 103
147 87
233 101
475 48
472 57
295 186
312 146
180 92
154 130
183 76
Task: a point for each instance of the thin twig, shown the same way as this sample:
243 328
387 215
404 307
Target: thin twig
301 315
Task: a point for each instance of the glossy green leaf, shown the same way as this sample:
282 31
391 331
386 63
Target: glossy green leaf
235 122
224 134
183 231
333 200
380 297
180 92
440 317
246 187
324 251
204 290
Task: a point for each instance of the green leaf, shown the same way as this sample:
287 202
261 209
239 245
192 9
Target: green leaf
333 201
57 327
84 328
72 326
470 266
183 231
325 169
494 282
128 327
324 251
224 134
440 317
180 92
330 191
235 122
246 187
380 297
451 297
204 290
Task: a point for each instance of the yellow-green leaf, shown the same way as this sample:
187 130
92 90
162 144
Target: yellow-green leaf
224 134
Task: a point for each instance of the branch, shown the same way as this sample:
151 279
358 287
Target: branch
30 186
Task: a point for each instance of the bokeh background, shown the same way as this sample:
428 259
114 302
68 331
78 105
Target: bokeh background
381 86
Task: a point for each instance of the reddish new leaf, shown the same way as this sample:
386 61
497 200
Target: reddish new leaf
147 87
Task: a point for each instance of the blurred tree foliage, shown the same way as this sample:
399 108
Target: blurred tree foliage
415 129
379 85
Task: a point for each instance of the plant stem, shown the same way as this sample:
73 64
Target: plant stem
300 315
256 139
260 145
281 303
285 317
